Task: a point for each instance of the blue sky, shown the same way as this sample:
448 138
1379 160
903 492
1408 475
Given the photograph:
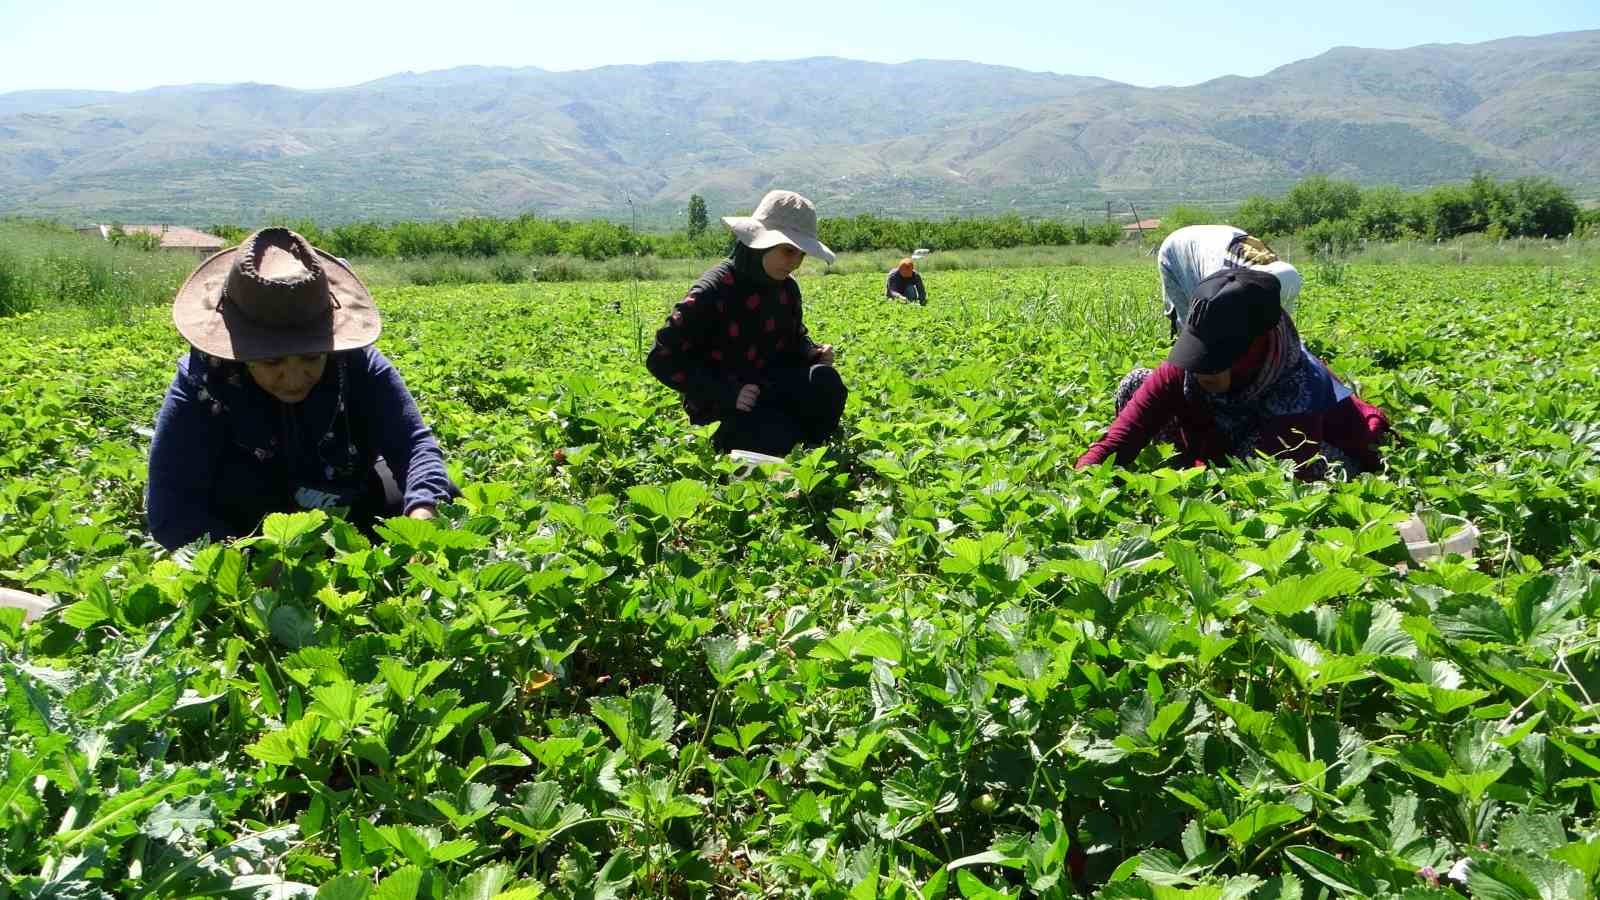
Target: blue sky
134 44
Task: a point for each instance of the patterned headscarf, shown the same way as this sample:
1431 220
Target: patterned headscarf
1290 381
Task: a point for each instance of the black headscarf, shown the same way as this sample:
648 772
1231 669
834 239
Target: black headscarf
747 266
748 272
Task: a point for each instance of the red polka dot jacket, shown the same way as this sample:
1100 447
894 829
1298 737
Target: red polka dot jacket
731 330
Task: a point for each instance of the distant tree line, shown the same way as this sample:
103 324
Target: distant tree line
1338 215
1327 213
602 240
868 232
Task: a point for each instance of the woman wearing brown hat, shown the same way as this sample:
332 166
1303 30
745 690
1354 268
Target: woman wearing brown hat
283 404
1238 382
736 348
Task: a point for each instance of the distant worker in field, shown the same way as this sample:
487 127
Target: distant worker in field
282 403
1239 382
1194 253
905 283
736 347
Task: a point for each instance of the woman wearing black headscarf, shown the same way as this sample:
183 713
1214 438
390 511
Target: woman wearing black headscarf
736 347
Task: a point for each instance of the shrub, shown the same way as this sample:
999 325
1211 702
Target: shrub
1588 225
1105 234
1320 199
1448 210
1332 238
1387 214
1262 217
1536 207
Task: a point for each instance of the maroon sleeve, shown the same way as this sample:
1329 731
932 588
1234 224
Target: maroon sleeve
680 358
1157 402
1353 425
1358 428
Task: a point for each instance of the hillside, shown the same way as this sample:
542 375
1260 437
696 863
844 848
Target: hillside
925 137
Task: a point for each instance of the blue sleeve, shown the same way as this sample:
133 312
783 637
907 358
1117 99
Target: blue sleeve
183 460
396 430
922 290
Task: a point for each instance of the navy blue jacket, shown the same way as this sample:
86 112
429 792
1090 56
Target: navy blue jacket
909 288
226 453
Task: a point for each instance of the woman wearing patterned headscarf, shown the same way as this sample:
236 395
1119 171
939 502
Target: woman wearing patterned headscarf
1194 253
1238 382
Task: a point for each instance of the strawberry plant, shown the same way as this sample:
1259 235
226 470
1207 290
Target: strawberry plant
929 660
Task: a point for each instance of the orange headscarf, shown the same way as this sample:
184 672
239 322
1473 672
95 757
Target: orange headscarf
907 267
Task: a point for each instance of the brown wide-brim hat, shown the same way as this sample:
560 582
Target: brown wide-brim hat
783 217
274 295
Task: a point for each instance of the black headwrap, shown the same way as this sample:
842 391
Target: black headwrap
748 272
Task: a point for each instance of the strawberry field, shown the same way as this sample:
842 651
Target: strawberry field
931 660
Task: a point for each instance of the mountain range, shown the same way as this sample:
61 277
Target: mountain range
927 138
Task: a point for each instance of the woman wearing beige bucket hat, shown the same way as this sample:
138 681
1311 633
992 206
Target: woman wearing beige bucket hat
736 348
282 403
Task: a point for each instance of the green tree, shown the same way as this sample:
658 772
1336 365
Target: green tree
1320 199
1536 207
1386 214
1332 237
1262 217
697 216
1447 211
1588 223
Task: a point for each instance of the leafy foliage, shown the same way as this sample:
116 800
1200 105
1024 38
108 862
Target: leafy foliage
1338 214
929 661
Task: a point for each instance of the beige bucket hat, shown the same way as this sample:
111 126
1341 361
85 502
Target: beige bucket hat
783 217
274 295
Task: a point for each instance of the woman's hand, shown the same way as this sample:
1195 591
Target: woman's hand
748 395
822 355
421 512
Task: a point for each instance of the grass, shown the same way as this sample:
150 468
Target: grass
1476 250
51 269
48 268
